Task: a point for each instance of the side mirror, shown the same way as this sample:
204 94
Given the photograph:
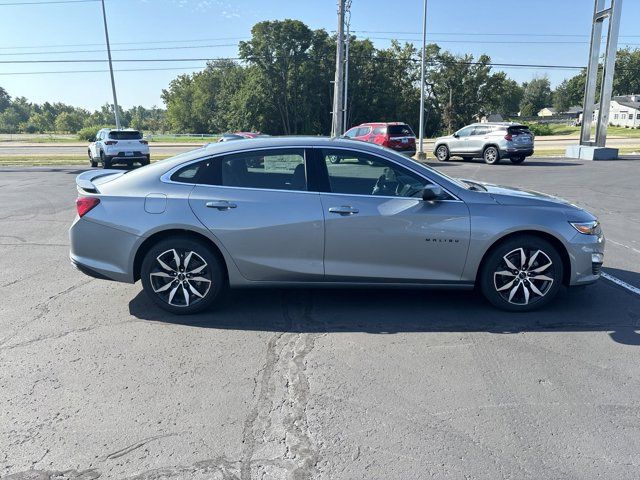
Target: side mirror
432 192
455 135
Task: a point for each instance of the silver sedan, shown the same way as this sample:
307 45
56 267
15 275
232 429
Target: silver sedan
318 211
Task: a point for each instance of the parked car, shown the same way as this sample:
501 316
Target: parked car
394 135
240 136
490 141
118 146
191 226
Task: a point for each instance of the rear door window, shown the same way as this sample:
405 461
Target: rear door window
362 131
270 169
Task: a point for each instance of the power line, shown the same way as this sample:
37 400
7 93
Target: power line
482 42
47 2
122 43
194 67
121 50
128 60
488 34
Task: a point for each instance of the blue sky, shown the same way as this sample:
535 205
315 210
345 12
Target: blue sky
215 26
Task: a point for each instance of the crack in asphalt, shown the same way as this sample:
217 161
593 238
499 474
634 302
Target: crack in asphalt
130 448
43 309
277 426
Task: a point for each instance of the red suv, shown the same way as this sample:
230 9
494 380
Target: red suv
395 135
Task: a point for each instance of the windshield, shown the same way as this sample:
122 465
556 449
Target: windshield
399 130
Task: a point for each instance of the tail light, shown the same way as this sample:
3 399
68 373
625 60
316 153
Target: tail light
144 142
85 204
508 137
110 142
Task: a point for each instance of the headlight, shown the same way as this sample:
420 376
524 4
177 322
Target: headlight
587 228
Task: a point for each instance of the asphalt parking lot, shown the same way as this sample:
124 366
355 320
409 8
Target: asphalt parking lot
331 384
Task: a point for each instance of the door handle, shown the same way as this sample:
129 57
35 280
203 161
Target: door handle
221 205
344 210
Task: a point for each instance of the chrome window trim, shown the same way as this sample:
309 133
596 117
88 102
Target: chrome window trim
166 177
454 199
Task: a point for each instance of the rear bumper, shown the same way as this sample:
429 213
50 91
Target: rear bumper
101 251
408 153
516 152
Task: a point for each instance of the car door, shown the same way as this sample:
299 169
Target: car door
477 139
258 206
460 142
378 228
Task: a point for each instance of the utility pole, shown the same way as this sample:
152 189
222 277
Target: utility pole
345 109
338 85
420 154
113 82
450 109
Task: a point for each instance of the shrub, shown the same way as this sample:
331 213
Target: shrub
88 134
540 129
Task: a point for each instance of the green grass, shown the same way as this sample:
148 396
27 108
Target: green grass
560 129
171 139
51 160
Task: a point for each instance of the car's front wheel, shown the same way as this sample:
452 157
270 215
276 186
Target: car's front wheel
442 153
522 273
182 275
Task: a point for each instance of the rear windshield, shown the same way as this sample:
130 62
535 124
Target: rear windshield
518 130
399 130
125 135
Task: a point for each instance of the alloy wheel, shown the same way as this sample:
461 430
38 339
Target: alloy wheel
442 154
180 278
524 276
491 155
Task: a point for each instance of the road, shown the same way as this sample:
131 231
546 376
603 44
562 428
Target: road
322 384
39 149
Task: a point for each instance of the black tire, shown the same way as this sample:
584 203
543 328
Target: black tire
499 281
517 160
146 161
92 162
106 161
491 155
442 153
186 289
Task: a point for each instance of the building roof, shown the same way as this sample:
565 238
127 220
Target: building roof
630 101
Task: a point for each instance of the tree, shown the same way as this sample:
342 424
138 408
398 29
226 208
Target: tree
537 95
68 122
569 93
505 95
5 100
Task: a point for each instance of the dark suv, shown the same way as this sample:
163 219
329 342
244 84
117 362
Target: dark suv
395 135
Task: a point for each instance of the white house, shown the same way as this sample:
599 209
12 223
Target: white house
547 112
624 111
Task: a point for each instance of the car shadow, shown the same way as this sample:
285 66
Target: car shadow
601 307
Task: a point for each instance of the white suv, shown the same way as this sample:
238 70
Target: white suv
118 146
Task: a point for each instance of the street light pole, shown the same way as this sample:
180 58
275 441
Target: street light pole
338 86
113 82
421 155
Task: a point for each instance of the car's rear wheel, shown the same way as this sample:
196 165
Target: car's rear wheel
517 160
491 155
442 153
523 273
146 161
182 275
106 162
91 160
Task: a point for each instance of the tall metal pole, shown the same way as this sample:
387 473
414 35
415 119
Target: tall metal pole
421 154
345 108
113 82
336 126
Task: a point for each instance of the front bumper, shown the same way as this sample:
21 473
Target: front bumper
587 256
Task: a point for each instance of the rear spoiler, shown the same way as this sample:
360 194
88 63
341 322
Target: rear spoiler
88 182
